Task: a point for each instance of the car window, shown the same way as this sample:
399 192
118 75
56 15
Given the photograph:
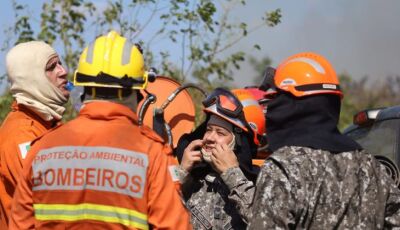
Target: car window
382 139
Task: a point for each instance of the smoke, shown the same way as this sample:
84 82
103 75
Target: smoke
359 37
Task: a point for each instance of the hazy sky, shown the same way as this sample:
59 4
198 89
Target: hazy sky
359 37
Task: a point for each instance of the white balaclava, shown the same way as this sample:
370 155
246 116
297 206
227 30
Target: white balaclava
26 63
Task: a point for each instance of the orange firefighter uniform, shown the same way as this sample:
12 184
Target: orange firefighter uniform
99 171
19 128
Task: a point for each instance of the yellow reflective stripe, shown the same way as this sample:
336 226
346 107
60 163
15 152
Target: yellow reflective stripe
92 217
91 206
86 211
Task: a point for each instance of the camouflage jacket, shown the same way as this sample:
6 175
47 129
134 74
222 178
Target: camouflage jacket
302 188
218 202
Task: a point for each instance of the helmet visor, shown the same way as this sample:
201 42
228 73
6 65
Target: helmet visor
226 102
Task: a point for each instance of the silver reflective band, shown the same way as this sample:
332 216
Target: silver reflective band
311 62
89 54
249 102
95 168
329 86
235 120
126 53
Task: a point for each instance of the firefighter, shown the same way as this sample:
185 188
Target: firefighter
317 178
101 170
216 160
38 81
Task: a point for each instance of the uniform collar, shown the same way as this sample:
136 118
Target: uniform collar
22 108
105 110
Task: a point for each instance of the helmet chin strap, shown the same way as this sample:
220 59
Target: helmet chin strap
232 144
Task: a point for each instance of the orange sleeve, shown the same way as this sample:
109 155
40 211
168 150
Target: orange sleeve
9 175
165 207
22 213
11 166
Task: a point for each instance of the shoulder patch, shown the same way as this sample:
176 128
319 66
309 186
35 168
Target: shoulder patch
24 148
173 170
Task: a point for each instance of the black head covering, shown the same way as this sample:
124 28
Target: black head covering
244 149
309 121
216 120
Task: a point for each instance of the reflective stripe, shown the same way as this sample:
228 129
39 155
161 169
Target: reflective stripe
311 62
96 168
249 102
90 53
126 53
86 211
237 121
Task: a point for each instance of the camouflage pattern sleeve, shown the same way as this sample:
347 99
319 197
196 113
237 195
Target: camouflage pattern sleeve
274 199
182 174
305 188
392 209
241 191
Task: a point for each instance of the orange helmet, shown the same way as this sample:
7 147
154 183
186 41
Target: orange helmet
306 74
238 107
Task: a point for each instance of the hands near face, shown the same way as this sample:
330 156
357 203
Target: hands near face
192 155
223 158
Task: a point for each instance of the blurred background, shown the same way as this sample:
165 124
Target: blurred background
229 43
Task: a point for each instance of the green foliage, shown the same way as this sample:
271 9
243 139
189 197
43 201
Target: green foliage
65 20
7 99
69 113
202 29
259 66
22 28
362 94
273 18
22 25
5 105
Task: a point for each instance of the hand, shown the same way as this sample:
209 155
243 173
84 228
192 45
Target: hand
191 156
223 158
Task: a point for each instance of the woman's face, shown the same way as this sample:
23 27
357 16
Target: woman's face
216 135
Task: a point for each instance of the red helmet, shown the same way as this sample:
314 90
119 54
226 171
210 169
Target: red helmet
306 74
260 95
238 107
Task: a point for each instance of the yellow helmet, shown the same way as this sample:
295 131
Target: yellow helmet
111 61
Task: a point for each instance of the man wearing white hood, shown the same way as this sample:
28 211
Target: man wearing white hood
38 81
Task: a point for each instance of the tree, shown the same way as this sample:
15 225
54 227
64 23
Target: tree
259 66
193 33
362 94
5 103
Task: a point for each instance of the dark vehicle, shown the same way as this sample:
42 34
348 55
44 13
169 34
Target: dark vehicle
378 131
